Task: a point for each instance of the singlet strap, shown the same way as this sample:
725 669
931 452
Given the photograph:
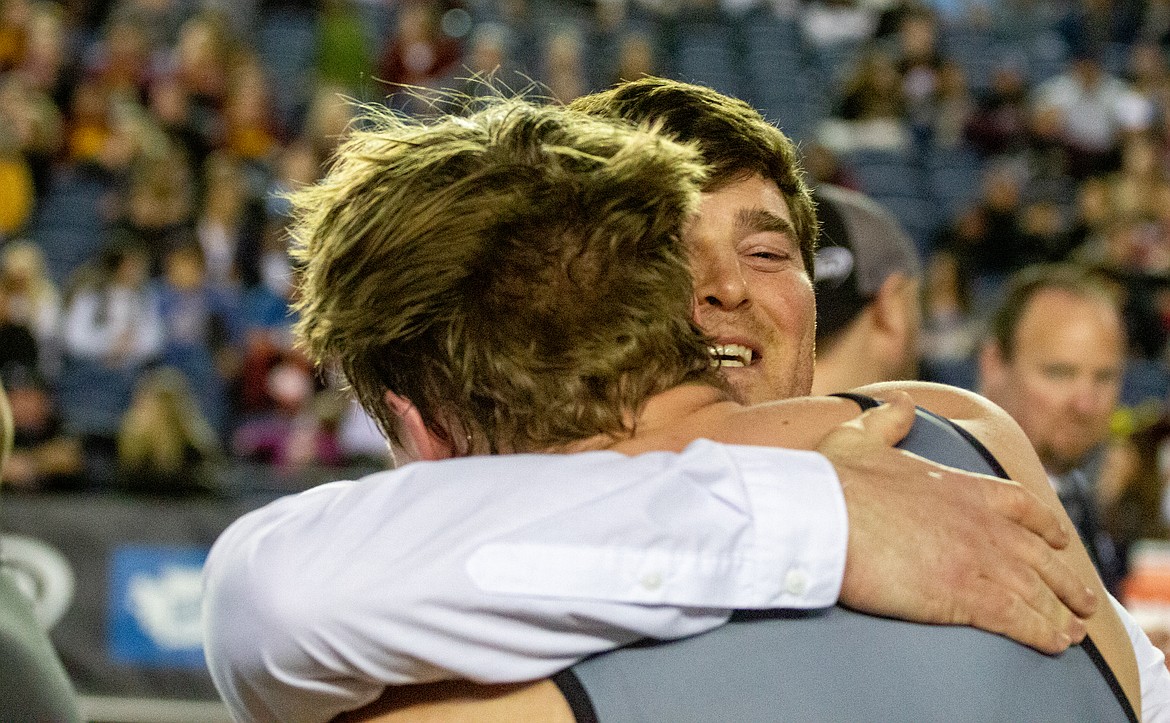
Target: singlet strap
1110 677
576 696
866 403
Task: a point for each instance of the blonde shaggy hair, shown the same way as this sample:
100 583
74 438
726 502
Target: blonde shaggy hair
516 273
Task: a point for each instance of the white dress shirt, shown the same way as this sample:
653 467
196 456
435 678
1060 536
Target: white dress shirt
468 568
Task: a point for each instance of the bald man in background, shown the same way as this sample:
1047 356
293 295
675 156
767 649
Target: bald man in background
1054 360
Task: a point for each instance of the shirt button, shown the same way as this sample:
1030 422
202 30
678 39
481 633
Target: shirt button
651 581
796 582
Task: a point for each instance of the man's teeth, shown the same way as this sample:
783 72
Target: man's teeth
730 355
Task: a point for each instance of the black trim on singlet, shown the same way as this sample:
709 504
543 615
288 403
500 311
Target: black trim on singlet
861 400
1094 654
867 403
576 696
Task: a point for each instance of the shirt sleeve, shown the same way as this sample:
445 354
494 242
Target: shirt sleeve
1153 675
502 569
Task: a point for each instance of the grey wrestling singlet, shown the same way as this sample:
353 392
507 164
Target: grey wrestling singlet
839 665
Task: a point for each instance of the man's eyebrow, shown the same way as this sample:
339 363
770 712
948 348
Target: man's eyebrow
762 220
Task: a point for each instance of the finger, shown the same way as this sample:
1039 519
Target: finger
891 421
1019 505
1000 611
1060 579
1038 585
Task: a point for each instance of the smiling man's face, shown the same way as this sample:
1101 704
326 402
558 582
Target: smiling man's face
752 292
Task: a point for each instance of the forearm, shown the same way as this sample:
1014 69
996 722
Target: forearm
511 575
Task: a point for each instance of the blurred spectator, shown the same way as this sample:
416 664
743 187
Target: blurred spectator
1093 214
47 65
828 22
225 227
44 456
88 134
999 123
873 90
170 105
18 346
1085 24
1132 483
951 107
871 110
121 62
251 132
636 58
1136 189
301 427
267 331
159 19
418 54
1149 76
112 318
199 64
989 241
32 127
112 331
564 65
14 18
160 200
1046 162
1045 230
1054 360
330 113
919 61
1095 110
165 445
824 166
32 299
949 329
19 196
202 331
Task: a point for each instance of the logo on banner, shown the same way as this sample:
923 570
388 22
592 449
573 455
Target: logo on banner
155 605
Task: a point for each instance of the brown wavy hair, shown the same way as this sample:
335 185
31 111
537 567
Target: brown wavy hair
734 139
516 273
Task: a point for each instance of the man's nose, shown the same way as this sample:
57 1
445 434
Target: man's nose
719 282
1089 398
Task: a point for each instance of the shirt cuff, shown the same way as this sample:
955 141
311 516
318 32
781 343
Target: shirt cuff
801 527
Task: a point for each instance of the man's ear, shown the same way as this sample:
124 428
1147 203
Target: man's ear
418 442
894 316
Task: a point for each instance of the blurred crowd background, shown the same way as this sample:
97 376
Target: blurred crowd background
144 279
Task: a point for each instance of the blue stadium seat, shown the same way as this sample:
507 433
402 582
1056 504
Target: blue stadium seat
68 225
953 177
287 43
836 61
917 214
706 55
